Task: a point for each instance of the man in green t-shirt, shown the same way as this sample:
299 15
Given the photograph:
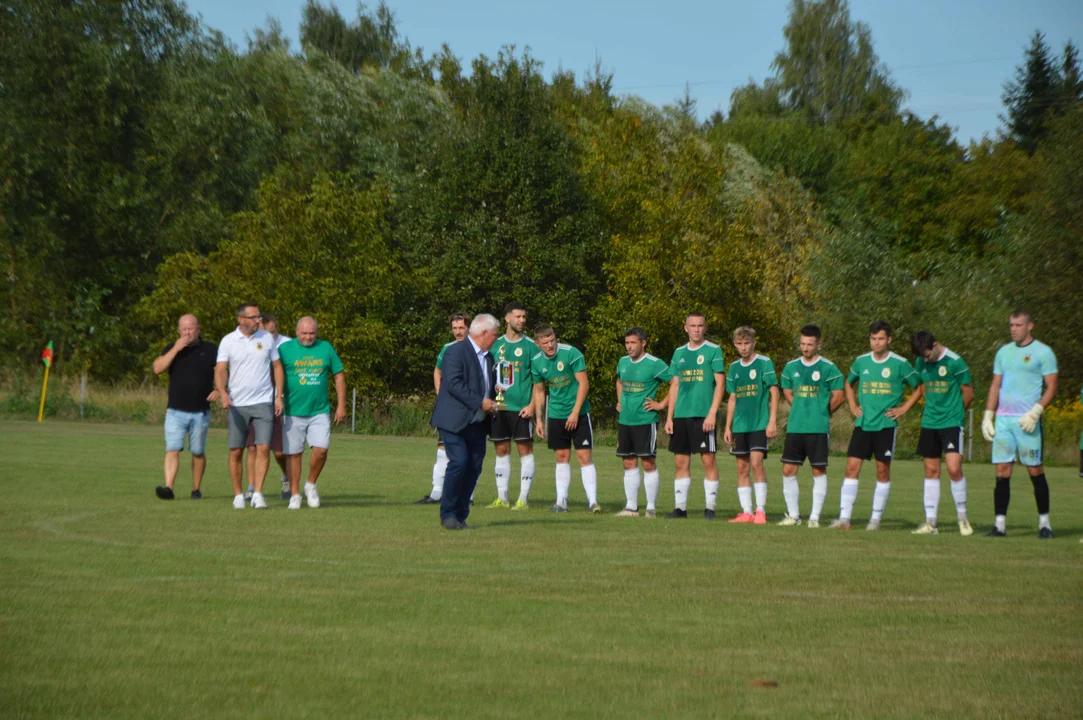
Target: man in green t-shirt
514 420
945 385
308 363
881 377
751 421
698 376
639 374
812 385
562 371
460 323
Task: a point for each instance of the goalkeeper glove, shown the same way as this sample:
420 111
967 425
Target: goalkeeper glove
988 429
1029 421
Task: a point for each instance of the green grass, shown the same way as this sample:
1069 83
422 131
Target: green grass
114 604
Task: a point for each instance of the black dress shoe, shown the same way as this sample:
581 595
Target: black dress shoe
163 492
451 524
427 500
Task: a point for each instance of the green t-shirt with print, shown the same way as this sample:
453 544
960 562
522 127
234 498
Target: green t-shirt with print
943 381
812 386
881 385
695 370
558 374
639 382
519 354
750 384
308 371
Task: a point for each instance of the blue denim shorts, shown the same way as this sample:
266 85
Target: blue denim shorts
193 424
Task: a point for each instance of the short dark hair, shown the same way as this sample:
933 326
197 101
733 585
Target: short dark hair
268 318
244 306
638 332
1022 312
923 340
544 331
880 325
465 317
695 313
513 306
811 331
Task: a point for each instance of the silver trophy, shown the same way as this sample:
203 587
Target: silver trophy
505 379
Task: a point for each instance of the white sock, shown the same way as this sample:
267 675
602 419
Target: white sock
744 496
932 500
438 472
564 481
1043 521
761 495
590 483
847 498
680 493
710 490
879 499
285 479
631 489
819 494
1000 521
791 493
503 474
526 476
651 483
958 493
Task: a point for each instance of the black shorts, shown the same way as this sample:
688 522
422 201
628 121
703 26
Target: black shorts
878 443
746 443
507 425
934 443
637 440
814 446
688 437
582 438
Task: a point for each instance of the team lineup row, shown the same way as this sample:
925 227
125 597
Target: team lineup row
543 392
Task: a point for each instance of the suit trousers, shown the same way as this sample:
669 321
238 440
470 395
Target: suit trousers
465 455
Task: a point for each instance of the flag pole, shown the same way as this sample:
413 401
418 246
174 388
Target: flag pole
44 385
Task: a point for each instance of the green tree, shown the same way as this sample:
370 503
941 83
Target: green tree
1032 95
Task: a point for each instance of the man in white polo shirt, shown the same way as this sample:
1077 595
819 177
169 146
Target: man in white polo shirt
245 357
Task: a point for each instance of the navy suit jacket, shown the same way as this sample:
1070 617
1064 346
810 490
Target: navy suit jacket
462 387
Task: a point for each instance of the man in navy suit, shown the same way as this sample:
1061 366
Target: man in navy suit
463 405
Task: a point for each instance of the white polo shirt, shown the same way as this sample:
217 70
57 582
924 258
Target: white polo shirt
249 361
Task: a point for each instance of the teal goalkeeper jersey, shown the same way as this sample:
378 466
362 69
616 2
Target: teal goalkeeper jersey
881 385
751 385
1022 370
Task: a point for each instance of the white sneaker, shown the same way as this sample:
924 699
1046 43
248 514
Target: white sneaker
814 524
840 524
258 503
628 513
789 521
873 526
312 495
238 502
295 502
925 529
964 528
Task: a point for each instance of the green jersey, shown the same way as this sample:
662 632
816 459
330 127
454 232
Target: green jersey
881 385
558 373
639 381
943 380
440 357
812 386
695 370
307 372
749 384
518 353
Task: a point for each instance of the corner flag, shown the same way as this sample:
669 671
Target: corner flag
47 358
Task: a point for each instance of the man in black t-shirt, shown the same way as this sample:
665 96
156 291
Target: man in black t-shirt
190 362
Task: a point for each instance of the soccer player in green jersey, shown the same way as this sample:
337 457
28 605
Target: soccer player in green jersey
515 421
639 374
561 370
460 324
881 377
945 384
751 421
695 392
812 385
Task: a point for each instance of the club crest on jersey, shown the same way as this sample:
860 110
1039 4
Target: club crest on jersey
815 374
259 345
699 359
518 352
942 371
1026 358
560 365
751 374
885 373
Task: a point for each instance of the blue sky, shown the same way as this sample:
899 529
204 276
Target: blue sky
953 56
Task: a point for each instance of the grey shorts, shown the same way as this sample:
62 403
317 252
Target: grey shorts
259 417
315 429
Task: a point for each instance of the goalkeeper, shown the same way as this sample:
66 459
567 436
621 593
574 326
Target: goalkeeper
1024 383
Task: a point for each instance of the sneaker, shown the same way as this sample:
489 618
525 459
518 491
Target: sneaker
628 513
295 502
595 509
677 514
312 495
249 493
964 528
744 518
1045 533
790 521
996 533
520 505
258 503
427 500
285 488
813 524
873 526
840 524
163 492
760 518
709 515
197 495
925 529
238 502
650 514
498 504
558 509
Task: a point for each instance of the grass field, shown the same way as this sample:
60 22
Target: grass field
115 604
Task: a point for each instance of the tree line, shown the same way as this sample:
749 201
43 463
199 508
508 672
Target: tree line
152 168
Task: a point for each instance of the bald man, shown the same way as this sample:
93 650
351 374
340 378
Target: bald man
307 364
190 362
